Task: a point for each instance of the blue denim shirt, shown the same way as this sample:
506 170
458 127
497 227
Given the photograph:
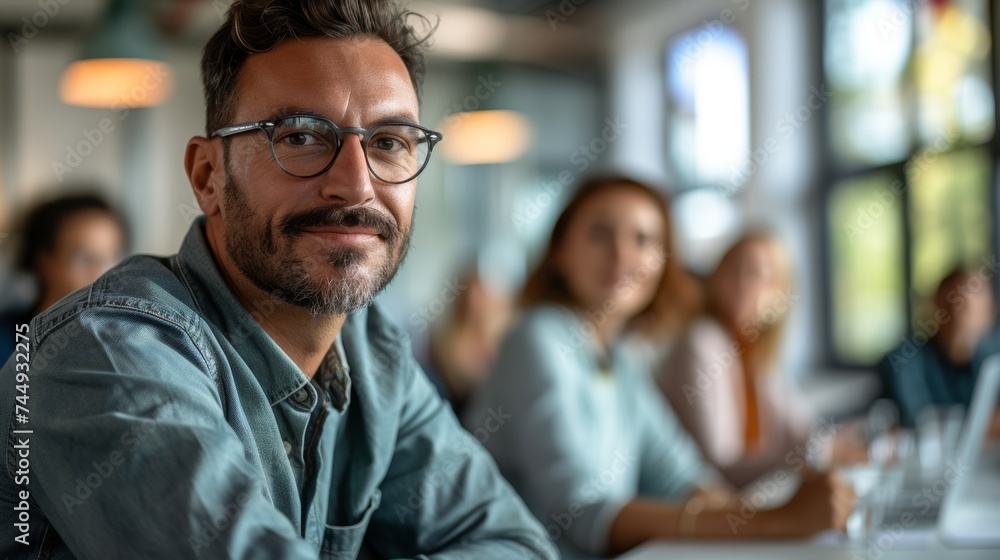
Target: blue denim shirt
163 422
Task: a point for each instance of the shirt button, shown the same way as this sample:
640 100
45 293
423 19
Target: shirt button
301 396
288 448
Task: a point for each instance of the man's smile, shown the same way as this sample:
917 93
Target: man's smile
344 235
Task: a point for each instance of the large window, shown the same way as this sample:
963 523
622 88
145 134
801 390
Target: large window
708 135
910 137
708 122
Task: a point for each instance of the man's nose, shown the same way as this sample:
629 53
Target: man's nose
349 181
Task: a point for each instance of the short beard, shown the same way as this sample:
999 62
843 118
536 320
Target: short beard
275 269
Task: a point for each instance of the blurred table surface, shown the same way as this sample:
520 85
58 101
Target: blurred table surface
979 505
757 550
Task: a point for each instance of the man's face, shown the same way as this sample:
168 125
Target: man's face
329 243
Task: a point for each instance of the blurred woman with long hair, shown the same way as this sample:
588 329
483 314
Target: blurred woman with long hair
722 377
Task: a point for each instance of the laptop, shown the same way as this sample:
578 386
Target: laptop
970 511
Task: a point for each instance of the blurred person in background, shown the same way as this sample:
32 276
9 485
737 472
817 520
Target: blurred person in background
937 366
576 425
464 343
66 244
722 377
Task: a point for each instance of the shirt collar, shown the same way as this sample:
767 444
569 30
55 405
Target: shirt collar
277 374
333 379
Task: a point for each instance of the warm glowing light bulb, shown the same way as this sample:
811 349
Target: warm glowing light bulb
116 82
480 137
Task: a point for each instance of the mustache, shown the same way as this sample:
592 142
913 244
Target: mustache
341 217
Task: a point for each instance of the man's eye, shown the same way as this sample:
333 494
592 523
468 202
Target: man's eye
300 139
387 143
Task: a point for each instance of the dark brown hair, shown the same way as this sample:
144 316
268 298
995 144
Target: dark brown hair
43 224
257 26
677 297
956 282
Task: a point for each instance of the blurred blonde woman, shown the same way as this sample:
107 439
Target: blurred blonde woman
574 422
721 377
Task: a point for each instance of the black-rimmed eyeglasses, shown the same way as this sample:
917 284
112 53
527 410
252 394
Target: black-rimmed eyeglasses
305 146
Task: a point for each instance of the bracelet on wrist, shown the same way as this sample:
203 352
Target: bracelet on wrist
689 515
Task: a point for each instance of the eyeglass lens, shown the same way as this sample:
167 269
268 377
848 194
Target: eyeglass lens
305 146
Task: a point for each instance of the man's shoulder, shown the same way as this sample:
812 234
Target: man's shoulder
140 284
913 355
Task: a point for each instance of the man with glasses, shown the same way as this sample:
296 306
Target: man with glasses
244 398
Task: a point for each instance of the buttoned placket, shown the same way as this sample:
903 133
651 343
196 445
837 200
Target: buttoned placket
317 397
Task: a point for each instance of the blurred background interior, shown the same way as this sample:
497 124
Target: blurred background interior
862 132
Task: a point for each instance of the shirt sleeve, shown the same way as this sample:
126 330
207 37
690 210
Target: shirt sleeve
131 453
443 491
671 463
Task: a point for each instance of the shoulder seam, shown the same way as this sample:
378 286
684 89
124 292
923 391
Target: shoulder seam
209 363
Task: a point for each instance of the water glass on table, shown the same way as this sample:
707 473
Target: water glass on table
877 483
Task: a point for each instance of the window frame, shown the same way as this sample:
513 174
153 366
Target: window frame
831 173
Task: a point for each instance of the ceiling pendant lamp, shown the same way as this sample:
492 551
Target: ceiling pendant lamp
484 137
122 65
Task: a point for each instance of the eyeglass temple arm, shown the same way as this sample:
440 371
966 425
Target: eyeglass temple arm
230 130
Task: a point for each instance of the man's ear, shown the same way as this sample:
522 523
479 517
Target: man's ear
205 168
